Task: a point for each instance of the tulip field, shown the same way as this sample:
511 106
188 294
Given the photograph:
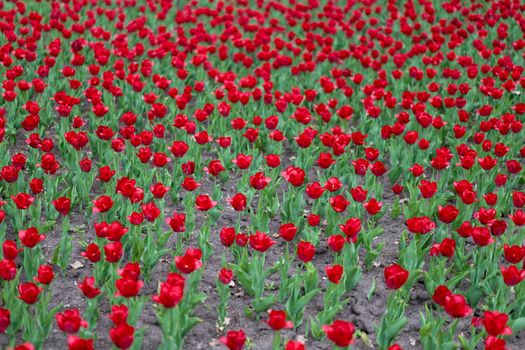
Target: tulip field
262 174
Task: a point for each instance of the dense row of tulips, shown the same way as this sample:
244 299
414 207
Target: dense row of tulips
170 157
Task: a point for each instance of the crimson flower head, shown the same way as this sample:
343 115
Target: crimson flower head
238 202
177 222
45 274
420 225
339 203
261 241
294 345
30 237
373 206
171 291
294 175
305 251
88 287
340 332
190 261
5 319
203 202
277 320
102 204
225 275
234 340
395 276
69 321
512 275
62 205
29 292
77 343
287 231
495 323
23 200
334 273
259 181
448 213
119 314
456 306
122 336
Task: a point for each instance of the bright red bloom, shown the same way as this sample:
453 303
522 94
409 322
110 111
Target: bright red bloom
395 276
203 202
260 241
495 323
23 200
294 175
512 275
102 204
339 203
234 340
122 336
29 292
88 287
45 274
225 275
30 237
305 251
287 231
70 321
77 343
448 213
456 306
334 273
5 319
62 205
420 225
259 181
340 332
238 202
277 320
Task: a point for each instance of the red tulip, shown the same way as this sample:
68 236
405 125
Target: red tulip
113 252
340 332
287 231
277 320
234 340
122 336
102 204
10 250
373 206
177 222
448 213
225 275
70 321
88 287
62 205
334 273
513 254
294 175
30 237
77 343
259 181
7 270
512 275
238 202
395 276
305 251
45 274
495 323
203 202
456 306
351 228
171 291
5 319
23 200
420 225
260 241
294 345
339 203
29 292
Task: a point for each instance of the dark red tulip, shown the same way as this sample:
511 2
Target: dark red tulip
340 332
234 340
277 320
395 276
